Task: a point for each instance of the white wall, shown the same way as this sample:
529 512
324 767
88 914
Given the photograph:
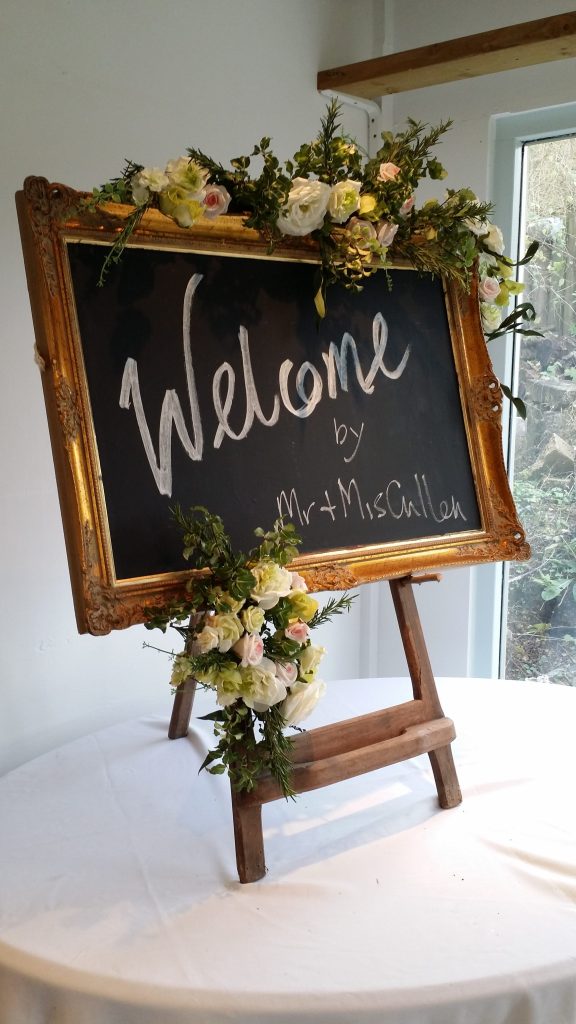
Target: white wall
85 84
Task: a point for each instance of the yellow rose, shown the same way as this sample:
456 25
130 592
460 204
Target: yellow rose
303 606
367 205
176 203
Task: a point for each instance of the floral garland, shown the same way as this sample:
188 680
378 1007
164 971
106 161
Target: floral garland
248 640
361 212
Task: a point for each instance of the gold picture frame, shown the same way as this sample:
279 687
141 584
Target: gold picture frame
53 218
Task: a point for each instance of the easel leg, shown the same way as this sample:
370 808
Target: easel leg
424 686
449 793
182 710
248 838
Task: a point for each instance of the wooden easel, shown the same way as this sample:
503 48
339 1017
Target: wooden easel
357 745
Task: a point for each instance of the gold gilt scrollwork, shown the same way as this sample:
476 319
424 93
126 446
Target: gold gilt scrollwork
330 577
48 203
68 408
486 397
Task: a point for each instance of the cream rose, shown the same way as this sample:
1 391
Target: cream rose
229 630
261 687
181 669
306 207
301 701
252 619
344 200
249 648
310 658
228 685
272 583
491 316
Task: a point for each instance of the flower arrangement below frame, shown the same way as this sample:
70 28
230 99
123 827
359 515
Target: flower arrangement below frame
248 639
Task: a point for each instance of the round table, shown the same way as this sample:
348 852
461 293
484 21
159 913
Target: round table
120 902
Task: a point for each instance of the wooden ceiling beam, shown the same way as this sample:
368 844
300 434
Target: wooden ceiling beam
502 49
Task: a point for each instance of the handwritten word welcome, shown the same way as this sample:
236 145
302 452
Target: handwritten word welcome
341 363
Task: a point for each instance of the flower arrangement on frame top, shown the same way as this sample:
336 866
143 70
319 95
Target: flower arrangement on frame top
362 212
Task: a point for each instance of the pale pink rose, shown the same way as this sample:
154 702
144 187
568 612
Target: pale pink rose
216 200
298 582
297 631
407 206
489 288
286 672
386 232
387 172
249 648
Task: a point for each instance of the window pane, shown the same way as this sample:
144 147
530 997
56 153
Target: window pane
541 620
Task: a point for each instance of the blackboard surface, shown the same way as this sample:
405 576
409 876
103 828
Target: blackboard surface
211 382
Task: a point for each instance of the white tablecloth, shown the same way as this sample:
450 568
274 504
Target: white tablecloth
120 902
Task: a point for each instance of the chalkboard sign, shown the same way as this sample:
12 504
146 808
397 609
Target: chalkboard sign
199 374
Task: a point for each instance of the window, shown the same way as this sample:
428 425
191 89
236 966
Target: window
501 595
539 637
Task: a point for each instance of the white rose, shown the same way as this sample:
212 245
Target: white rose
494 239
187 175
249 649
301 701
344 200
149 179
261 687
272 583
206 641
306 206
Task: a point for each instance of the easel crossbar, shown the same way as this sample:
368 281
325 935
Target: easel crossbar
346 763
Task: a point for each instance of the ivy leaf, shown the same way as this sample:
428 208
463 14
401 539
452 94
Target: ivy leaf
516 402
